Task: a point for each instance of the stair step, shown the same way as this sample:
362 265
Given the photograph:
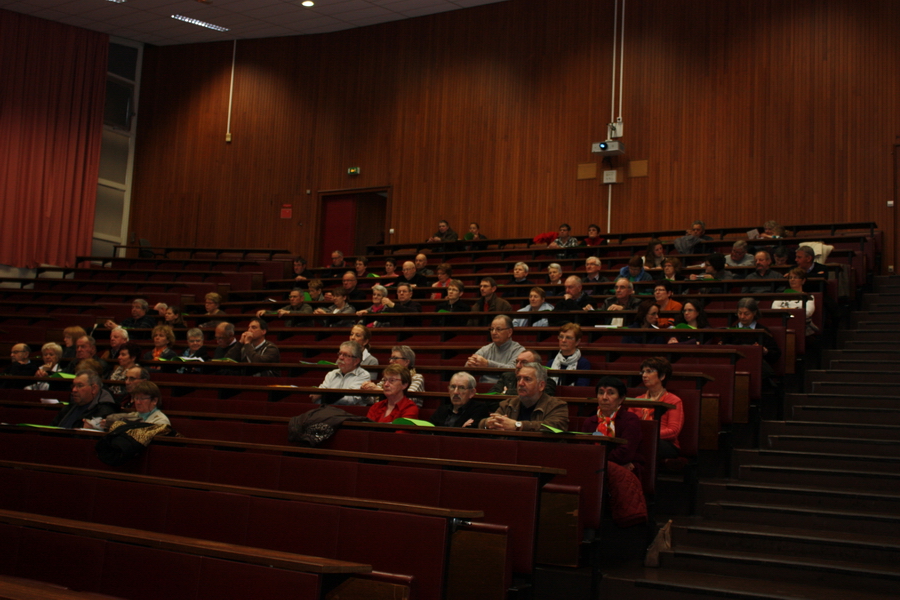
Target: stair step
839 414
848 364
828 456
799 495
873 357
860 430
841 400
851 577
852 376
866 335
875 481
818 519
672 584
851 388
878 550
850 447
869 345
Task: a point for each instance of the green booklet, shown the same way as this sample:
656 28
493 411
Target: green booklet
406 421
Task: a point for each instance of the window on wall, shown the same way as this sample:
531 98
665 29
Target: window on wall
117 148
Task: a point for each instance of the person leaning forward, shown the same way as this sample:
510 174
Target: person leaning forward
532 408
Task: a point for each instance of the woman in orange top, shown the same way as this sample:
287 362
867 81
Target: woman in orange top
662 292
654 372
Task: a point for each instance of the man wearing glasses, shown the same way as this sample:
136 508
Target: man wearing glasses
348 376
21 364
462 410
227 347
500 353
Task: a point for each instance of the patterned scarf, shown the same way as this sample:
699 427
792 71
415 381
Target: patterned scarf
606 425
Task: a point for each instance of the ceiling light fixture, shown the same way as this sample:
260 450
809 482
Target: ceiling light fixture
117 1
199 22
308 3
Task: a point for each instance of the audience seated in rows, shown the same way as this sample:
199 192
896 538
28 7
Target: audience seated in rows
405 357
117 337
500 353
89 401
763 262
195 350
506 384
51 354
654 256
520 274
127 359
692 317
490 302
395 405
655 372
163 337
452 304
662 293
362 336
569 358
404 304
635 271
694 241
146 404
295 306
255 348
339 306
461 410
444 277
537 302
531 408
139 318
349 375
444 233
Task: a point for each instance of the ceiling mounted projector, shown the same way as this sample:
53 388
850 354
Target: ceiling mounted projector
608 148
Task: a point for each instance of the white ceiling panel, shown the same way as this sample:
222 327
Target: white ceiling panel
150 21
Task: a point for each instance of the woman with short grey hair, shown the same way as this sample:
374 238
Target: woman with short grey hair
405 357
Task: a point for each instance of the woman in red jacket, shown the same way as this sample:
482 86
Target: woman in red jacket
395 380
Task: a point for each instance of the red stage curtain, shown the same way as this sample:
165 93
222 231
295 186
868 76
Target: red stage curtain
52 91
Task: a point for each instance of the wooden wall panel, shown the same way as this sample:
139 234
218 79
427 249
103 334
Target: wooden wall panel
745 110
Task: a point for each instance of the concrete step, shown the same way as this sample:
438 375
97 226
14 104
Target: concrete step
871 363
875 323
798 495
886 283
851 376
866 335
868 345
837 575
816 519
789 542
881 301
834 446
818 428
676 584
839 414
851 389
858 480
824 457
842 400
862 316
